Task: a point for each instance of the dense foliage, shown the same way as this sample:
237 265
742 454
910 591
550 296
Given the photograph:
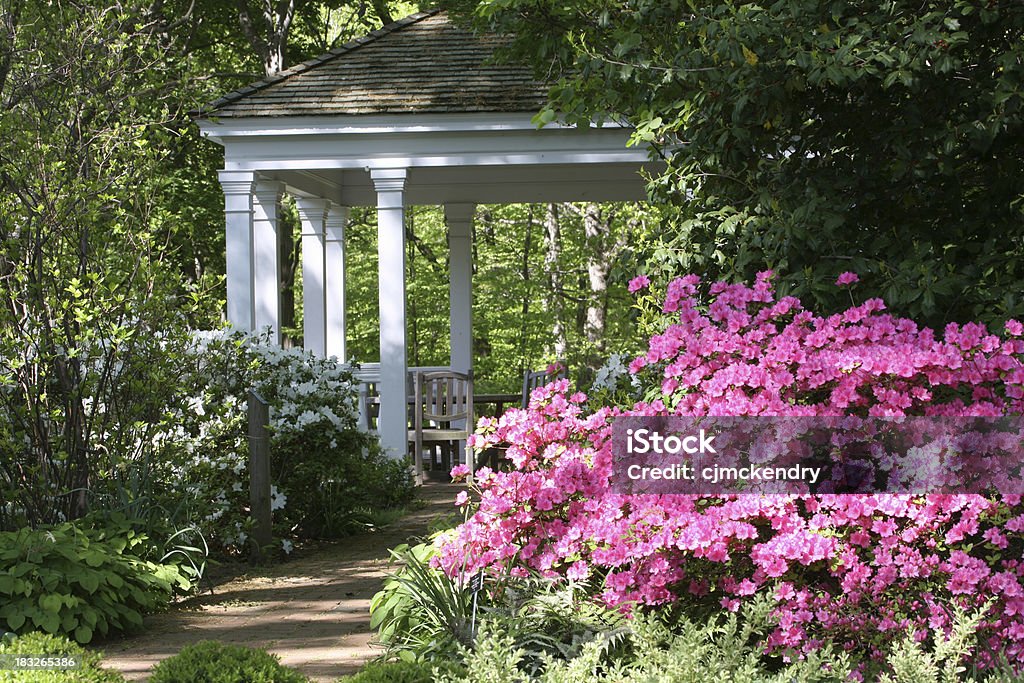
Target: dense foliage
851 570
551 633
725 648
811 136
214 662
82 582
328 474
90 314
86 667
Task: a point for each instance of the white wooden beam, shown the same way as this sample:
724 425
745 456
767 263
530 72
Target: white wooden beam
334 250
238 187
266 269
393 421
312 215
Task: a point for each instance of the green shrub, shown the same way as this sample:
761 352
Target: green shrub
945 658
41 644
728 648
213 662
328 474
421 612
402 672
79 583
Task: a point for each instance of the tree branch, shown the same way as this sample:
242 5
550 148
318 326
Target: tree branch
383 12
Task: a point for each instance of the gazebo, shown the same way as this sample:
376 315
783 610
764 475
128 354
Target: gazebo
414 113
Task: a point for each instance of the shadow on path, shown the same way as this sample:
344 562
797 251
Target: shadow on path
312 612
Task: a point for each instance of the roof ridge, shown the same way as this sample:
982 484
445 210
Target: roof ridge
370 37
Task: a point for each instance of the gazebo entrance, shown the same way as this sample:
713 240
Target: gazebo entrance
412 114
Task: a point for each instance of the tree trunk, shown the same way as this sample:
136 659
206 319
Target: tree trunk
269 35
554 300
380 7
524 313
599 264
274 58
288 264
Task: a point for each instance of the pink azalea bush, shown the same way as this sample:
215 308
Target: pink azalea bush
858 571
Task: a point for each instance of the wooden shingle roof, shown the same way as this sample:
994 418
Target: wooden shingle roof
421 64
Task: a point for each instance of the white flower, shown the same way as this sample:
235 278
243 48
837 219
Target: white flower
287 546
277 499
196 404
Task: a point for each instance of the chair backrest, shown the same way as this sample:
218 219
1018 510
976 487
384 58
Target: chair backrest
445 395
538 378
413 371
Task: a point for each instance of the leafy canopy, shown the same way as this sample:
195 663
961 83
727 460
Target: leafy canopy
810 136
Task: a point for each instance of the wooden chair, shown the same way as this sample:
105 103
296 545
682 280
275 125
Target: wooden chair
440 400
538 378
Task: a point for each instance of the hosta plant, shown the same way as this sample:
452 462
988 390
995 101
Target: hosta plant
79 583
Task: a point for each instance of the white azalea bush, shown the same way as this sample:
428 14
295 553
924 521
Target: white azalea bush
328 475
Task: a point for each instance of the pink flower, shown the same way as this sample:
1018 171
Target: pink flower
889 562
847 278
638 283
459 471
462 498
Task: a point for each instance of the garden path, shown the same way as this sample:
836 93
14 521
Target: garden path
313 611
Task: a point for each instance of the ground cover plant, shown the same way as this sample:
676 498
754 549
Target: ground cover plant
81 582
214 662
83 665
856 572
667 645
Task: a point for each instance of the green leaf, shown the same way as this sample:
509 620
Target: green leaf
94 558
15 617
51 602
48 621
89 581
83 634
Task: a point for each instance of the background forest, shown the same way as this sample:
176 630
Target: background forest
811 138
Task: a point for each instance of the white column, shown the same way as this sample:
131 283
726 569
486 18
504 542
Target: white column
312 214
460 283
238 186
337 219
266 271
393 420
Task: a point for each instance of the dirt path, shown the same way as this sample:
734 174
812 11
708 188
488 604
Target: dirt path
312 612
